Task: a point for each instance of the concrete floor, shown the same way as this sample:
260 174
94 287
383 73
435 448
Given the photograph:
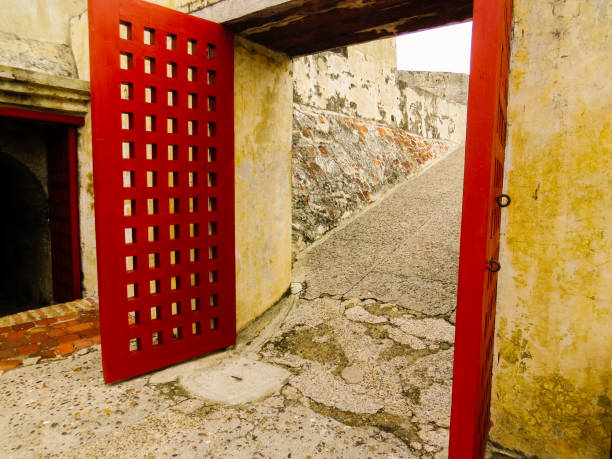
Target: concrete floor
357 364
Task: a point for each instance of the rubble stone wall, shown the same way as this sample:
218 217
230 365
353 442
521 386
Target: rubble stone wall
361 126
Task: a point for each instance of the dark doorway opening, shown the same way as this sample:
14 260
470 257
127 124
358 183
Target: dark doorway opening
39 249
25 245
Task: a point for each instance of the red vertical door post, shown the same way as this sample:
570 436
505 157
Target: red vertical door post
479 251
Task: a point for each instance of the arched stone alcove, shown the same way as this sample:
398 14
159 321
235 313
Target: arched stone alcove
25 246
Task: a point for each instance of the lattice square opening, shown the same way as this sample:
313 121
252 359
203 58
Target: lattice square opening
212 129
172 125
152 206
148 36
195 328
192 127
214 300
130 235
172 97
172 152
175 257
211 77
192 73
212 155
193 179
153 233
127 91
156 338
193 153
212 104
133 318
154 286
151 179
129 207
128 179
126 61
192 46
150 123
214 323
194 230
171 69
175 283
125 30
173 179
212 204
211 51
127 150
192 100
213 276
175 308
177 333
173 205
212 228
155 313
171 41
212 179
194 255
151 151
132 291
194 279
134 345
149 65
193 205
195 304
175 232
130 263
153 260
213 253
127 121
150 94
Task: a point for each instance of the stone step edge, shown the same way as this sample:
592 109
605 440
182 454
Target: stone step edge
48 312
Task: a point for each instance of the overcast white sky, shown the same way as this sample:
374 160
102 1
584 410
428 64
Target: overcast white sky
445 49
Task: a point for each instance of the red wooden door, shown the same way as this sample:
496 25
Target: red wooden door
162 117
482 201
63 213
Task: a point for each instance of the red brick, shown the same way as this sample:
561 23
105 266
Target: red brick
29 349
83 343
49 343
39 337
37 330
20 327
68 338
8 364
8 353
96 339
65 348
16 342
79 327
54 333
90 332
5 329
15 335
48 321
92 301
47 353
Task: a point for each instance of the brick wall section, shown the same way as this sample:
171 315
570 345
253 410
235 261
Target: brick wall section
50 337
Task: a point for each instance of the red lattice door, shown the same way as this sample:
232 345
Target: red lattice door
479 252
162 117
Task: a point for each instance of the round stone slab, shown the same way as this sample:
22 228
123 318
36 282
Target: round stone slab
235 381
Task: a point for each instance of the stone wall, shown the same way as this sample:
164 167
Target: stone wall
552 373
360 126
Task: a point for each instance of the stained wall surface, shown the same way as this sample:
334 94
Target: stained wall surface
552 385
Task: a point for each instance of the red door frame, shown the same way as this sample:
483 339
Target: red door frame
479 250
69 138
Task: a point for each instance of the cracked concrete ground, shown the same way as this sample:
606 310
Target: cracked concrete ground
357 364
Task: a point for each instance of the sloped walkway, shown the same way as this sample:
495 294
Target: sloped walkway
358 364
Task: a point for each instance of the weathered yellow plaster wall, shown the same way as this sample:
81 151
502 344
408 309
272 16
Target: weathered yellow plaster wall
552 386
262 116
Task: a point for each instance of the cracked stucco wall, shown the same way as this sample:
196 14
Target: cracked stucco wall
360 126
552 386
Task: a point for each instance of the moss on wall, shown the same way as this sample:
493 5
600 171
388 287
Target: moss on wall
552 373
